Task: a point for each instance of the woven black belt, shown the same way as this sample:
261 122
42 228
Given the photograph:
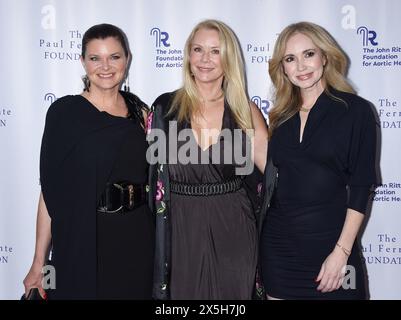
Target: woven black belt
206 189
121 197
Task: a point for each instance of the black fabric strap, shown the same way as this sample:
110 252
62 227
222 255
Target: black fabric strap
270 184
121 197
206 189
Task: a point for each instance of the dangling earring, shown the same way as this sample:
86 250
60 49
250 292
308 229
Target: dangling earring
126 84
86 82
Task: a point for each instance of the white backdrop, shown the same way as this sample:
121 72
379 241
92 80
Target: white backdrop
40 46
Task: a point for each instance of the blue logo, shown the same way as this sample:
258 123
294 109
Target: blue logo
263 105
160 37
367 36
50 97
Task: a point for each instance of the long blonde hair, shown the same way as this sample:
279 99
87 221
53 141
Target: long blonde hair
287 97
187 99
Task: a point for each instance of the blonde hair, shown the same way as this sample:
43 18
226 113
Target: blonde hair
287 97
187 99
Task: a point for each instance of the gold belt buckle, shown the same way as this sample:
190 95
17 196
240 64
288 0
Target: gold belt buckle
129 203
131 195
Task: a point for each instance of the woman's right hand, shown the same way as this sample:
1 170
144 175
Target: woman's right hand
43 238
34 280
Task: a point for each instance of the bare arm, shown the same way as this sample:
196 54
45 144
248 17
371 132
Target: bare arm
261 138
332 271
350 229
43 233
43 238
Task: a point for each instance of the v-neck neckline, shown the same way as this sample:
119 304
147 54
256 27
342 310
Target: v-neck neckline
315 116
218 137
301 135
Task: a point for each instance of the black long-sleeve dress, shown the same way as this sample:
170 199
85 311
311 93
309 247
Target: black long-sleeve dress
332 169
83 149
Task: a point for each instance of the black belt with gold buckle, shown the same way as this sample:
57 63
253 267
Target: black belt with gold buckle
121 197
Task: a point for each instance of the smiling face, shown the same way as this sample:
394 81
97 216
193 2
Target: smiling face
303 63
204 57
105 63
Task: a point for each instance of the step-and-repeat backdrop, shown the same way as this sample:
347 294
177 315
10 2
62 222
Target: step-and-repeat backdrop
40 47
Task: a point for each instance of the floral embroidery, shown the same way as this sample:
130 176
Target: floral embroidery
259 188
149 122
161 207
160 204
259 288
159 191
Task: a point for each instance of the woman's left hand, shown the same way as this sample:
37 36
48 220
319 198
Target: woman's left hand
332 272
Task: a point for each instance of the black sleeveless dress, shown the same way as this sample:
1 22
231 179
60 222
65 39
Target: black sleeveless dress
214 238
125 242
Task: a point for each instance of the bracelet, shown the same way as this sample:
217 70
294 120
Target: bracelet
346 251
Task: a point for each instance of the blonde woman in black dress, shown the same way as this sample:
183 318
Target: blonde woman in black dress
323 142
206 238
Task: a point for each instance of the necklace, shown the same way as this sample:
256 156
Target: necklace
304 109
116 109
215 99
